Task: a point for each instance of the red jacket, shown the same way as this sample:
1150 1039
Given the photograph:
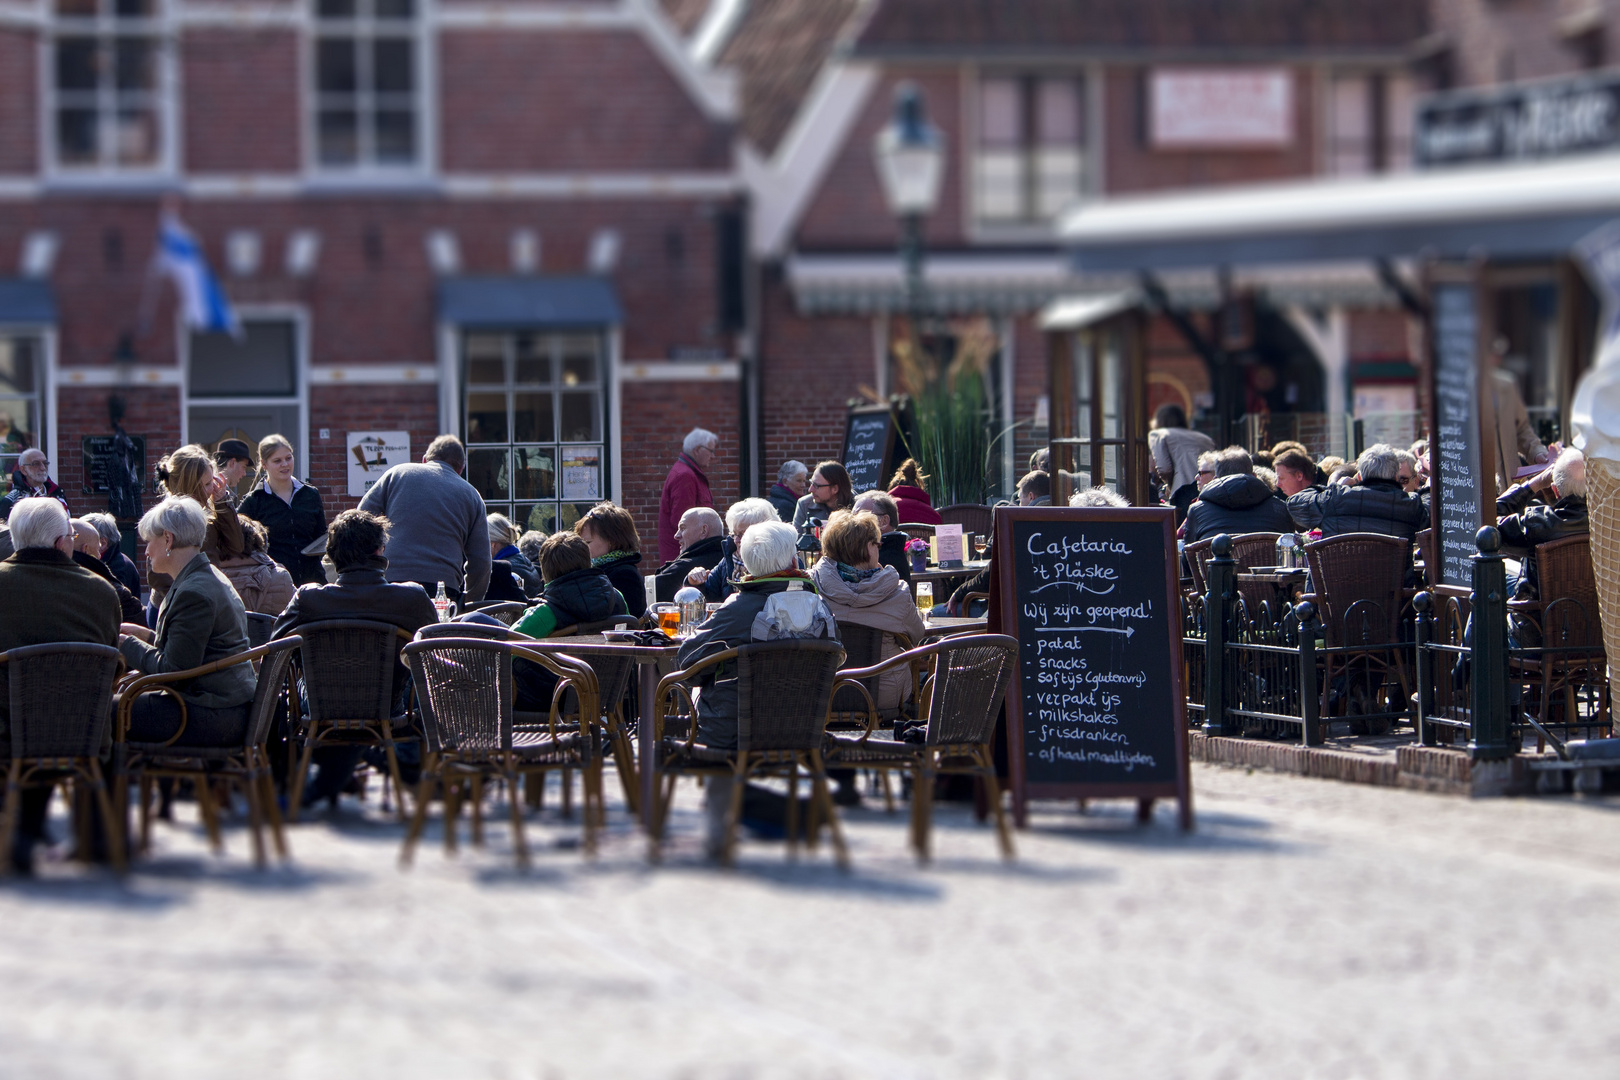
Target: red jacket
915 506
684 488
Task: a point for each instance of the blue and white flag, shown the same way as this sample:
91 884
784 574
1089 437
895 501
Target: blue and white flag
201 298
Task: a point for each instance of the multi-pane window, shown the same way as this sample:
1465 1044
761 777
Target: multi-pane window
1029 163
19 399
1369 124
108 77
535 416
367 67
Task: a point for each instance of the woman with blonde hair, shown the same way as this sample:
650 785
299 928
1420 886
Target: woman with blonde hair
189 472
909 491
859 589
289 509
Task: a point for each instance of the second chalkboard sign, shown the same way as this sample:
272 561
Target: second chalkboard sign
1093 597
1460 492
869 438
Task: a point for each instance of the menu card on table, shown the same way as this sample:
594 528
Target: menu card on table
948 546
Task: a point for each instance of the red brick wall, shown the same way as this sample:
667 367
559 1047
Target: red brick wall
19 102
242 100
848 210
1030 369
580 100
343 409
809 369
152 412
1132 164
1380 335
656 416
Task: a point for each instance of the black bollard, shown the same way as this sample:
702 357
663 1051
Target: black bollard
1489 655
1423 604
1220 574
1310 695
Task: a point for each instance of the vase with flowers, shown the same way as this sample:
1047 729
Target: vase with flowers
917 549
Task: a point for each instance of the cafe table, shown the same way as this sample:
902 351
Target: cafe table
952 625
936 574
647 658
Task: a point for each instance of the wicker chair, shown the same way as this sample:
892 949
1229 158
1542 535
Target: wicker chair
1360 580
1564 618
918 531
507 611
246 765
970 679
347 666
259 626
470 732
784 689
975 518
613 670
61 703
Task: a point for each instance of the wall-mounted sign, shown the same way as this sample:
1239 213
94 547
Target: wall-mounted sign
372 453
1221 108
581 473
1518 123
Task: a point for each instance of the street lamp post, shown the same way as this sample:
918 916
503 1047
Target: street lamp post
910 155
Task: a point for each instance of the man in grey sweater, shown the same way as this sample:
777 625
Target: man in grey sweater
438 531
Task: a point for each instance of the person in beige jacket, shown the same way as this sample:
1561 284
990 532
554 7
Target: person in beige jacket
860 589
1515 437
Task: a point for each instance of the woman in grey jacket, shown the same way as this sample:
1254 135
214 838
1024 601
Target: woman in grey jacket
201 620
859 589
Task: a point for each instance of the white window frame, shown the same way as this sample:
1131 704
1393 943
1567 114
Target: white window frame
296 314
367 171
997 230
160 27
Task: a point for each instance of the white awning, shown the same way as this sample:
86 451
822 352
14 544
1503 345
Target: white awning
995 283
1517 211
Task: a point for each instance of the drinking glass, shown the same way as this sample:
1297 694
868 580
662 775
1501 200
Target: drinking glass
925 597
669 619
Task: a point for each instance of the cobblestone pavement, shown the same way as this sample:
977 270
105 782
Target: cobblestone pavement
1307 929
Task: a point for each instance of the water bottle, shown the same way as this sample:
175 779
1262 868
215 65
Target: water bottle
441 603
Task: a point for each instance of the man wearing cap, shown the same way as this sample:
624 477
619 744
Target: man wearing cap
30 479
233 459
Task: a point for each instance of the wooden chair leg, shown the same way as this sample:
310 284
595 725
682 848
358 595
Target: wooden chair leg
566 776
888 792
478 811
793 812
393 771
209 813
9 810
514 804
624 761
923 799
993 793
267 792
300 773
452 814
424 793
250 790
534 791
145 788
819 778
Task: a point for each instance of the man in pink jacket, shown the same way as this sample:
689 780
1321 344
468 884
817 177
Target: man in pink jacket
686 486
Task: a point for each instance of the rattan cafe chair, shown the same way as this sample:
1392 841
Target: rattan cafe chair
466 692
246 765
863 647
1564 622
259 626
976 518
1359 581
613 671
970 677
784 690
60 699
347 669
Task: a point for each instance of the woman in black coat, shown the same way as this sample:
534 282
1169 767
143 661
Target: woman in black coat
289 510
616 551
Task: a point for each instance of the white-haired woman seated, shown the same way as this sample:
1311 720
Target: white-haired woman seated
769 552
718 582
201 620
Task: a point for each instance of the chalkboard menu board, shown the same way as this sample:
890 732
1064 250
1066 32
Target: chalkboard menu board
869 438
1461 490
1093 597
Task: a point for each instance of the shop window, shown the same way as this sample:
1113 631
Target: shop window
534 413
109 85
19 400
1029 164
367 71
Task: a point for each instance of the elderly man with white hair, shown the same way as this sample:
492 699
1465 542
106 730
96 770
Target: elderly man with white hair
1373 501
111 537
1562 487
686 486
31 480
45 599
701 535
717 583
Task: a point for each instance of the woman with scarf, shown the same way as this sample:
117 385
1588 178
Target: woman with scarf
859 589
616 551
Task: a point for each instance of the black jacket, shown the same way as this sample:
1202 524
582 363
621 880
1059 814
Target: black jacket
361 592
124 570
1375 506
784 500
623 572
128 602
1241 503
291 528
1525 526
892 552
505 586
720 583
702 555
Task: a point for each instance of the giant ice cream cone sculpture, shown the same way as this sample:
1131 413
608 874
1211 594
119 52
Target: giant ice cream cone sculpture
1595 418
